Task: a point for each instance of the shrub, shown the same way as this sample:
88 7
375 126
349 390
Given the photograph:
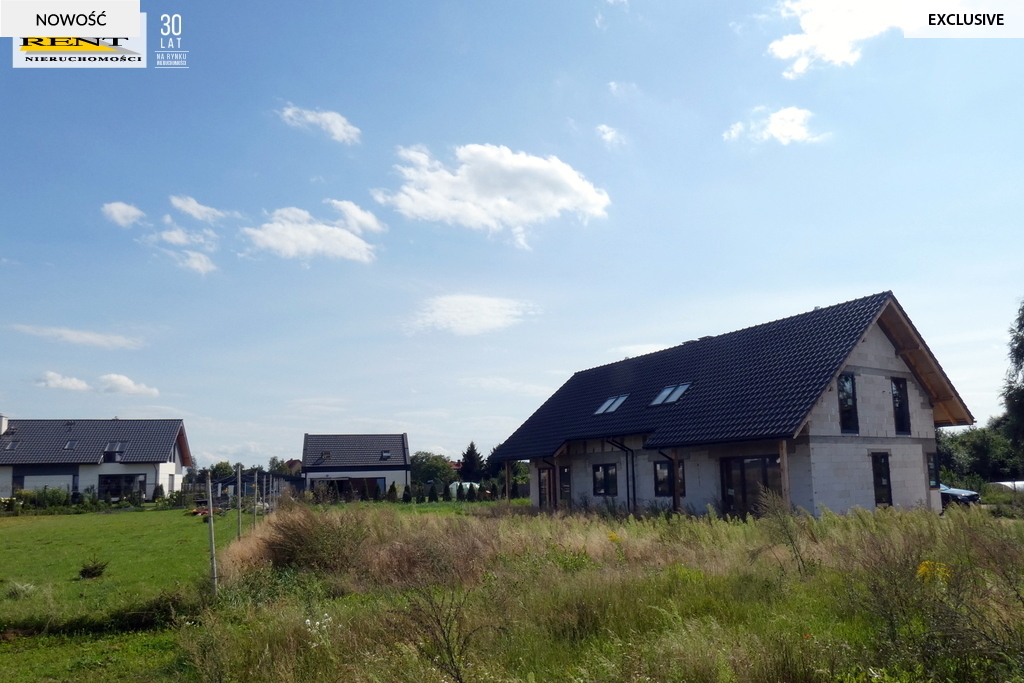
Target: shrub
460 493
407 494
420 496
432 496
446 493
92 568
158 492
393 493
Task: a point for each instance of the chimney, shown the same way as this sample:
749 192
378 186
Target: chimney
3 424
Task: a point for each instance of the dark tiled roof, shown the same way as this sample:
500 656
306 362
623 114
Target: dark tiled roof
354 450
756 383
41 442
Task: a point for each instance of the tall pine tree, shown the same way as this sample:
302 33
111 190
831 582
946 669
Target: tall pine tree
472 464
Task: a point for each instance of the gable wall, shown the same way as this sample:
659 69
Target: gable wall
841 463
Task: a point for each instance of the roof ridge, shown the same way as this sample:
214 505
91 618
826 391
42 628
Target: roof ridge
819 309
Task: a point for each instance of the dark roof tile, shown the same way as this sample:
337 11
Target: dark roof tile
354 450
755 383
42 442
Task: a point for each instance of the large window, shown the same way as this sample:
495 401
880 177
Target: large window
670 394
900 406
121 485
663 478
744 479
847 389
606 481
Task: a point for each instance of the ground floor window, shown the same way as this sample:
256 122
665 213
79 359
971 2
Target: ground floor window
606 481
121 485
743 480
18 482
933 471
663 482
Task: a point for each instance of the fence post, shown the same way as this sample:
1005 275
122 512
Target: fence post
213 545
255 495
239 491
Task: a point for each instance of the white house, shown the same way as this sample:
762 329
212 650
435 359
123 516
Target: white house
356 462
111 457
836 407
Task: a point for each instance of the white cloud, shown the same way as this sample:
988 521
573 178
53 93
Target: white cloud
180 237
505 385
333 123
194 260
355 219
106 341
612 137
119 384
623 90
785 126
122 214
467 314
294 233
491 189
52 380
734 132
190 206
832 30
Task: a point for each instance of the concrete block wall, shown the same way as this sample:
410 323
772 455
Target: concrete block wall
874 362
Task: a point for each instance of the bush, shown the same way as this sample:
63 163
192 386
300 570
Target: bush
393 493
158 492
432 496
92 568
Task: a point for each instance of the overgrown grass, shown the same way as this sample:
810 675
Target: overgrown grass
886 596
496 593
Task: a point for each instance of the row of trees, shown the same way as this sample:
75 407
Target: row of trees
430 468
994 452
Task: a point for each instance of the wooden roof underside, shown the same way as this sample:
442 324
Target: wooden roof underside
950 410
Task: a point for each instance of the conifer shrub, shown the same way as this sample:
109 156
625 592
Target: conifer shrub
393 493
432 496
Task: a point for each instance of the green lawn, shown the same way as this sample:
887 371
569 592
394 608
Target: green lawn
157 560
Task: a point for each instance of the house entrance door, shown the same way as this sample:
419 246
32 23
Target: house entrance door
883 484
743 480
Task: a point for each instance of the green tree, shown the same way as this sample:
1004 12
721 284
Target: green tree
278 466
431 467
472 464
493 468
421 497
446 494
221 470
1013 388
393 493
460 493
432 496
471 494
407 494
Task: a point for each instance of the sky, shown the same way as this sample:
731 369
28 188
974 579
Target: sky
424 216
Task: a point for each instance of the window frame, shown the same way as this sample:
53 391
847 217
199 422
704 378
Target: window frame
931 464
611 404
848 413
670 394
900 405
609 479
663 489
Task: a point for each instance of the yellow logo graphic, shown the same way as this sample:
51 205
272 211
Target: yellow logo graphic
75 45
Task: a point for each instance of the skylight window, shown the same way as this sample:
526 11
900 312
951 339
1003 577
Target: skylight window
11 445
115 446
611 405
70 445
670 394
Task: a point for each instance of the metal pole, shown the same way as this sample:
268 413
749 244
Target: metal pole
213 545
255 495
239 491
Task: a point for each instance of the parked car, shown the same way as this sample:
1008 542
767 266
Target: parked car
960 496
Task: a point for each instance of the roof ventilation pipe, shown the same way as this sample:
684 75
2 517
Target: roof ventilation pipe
3 424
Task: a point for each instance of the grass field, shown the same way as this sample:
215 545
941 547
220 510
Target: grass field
449 592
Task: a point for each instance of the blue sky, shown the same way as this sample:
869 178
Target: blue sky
422 217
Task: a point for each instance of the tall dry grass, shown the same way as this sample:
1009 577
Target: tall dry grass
885 596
